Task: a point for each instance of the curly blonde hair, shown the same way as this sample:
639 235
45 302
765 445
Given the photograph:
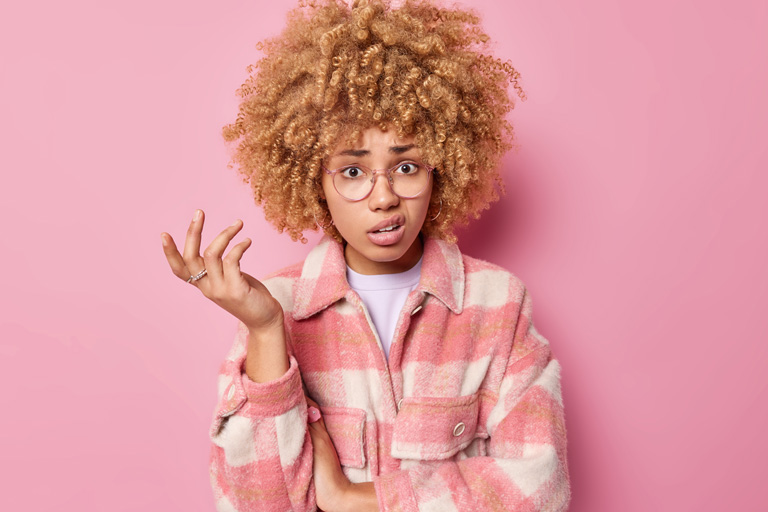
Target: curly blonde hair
337 69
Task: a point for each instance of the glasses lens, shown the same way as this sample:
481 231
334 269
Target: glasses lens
354 183
409 179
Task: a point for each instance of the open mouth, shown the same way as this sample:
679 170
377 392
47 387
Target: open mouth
388 229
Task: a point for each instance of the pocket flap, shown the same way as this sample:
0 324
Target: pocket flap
434 428
346 426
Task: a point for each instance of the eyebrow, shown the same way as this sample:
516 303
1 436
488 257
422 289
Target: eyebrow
398 150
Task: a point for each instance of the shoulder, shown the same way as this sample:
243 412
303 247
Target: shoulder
280 284
290 272
490 285
498 293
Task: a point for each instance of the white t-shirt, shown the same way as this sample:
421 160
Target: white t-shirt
384 296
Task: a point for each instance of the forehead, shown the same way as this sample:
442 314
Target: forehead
374 138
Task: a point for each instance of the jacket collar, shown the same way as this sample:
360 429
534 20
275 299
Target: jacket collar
323 278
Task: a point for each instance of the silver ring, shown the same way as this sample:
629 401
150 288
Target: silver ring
198 276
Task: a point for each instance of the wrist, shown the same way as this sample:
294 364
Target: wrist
267 355
272 330
275 324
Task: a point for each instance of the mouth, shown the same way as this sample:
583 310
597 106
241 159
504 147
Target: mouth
388 229
389 225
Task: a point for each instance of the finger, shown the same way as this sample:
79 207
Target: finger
192 243
316 436
174 258
317 439
231 262
212 254
252 281
318 431
314 421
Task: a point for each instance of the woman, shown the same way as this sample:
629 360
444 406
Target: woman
387 371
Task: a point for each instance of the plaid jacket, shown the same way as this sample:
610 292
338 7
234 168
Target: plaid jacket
466 415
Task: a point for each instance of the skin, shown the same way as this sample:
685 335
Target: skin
238 293
377 149
247 299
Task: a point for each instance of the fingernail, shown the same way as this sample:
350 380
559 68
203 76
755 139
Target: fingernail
162 238
197 214
313 414
235 223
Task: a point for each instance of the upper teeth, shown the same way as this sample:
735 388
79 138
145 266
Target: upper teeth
390 228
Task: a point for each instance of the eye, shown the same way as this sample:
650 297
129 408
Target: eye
407 168
352 172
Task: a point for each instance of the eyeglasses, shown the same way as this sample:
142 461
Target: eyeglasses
406 180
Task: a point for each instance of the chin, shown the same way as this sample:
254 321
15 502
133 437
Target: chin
386 254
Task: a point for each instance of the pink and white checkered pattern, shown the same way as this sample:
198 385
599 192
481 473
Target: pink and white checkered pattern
466 415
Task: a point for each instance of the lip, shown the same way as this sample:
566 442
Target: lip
391 237
391 221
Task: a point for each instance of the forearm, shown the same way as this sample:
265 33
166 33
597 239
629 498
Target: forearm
262 456
267 354
360 498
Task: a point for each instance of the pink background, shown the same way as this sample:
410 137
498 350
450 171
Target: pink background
636 214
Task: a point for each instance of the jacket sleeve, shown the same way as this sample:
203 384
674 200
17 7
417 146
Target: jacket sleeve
525 465
261 457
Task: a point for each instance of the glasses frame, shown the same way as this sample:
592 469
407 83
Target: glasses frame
374 172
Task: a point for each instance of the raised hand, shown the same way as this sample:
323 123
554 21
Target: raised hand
223 282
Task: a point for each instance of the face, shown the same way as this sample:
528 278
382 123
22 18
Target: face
368 250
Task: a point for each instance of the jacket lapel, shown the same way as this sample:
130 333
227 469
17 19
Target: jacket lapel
323 278
442 273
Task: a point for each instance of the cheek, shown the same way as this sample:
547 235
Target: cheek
329 194
337 206
424 204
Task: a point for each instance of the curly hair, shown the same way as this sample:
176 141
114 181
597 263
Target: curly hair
336 70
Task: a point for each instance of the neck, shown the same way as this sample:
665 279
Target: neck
363 265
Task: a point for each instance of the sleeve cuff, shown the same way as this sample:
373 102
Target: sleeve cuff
275 397
260 399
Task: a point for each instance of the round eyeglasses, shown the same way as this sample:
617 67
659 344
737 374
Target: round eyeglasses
406 180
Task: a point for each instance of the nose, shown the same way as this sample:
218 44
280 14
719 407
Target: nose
382 197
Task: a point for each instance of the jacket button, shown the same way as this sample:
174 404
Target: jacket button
458 429
416 310
399 404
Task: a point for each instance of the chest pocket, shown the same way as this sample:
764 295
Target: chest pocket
435 428
346 426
